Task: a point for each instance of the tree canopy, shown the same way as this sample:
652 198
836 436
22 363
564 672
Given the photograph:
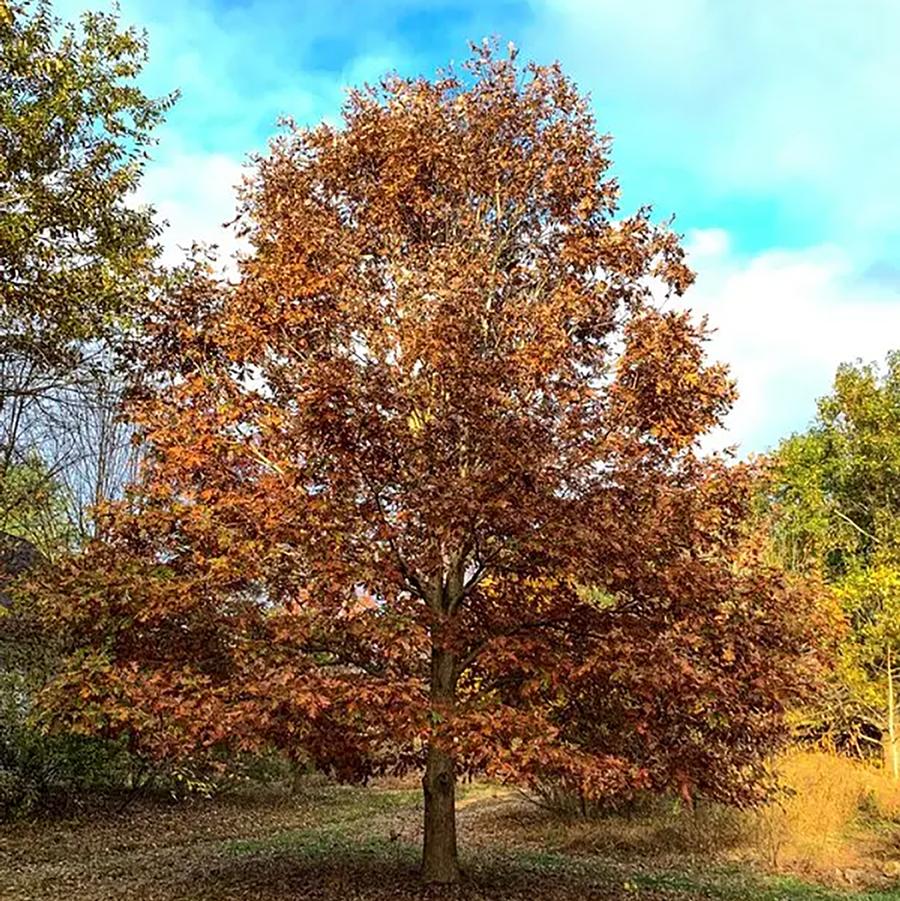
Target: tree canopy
423 487
74 133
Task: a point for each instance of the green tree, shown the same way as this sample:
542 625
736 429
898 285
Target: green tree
74 135
835 499
871 598
33 506
77 254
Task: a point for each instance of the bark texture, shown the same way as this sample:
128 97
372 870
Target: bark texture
440 862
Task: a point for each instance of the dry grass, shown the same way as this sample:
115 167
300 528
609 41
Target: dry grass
829 817
837 820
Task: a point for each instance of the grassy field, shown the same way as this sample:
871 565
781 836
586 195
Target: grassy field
338 844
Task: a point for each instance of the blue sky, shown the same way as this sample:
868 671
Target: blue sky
771 128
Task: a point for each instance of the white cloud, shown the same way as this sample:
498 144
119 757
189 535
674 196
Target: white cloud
708 244
784 321
194 194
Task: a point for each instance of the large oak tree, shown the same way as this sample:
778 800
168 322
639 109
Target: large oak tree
422 487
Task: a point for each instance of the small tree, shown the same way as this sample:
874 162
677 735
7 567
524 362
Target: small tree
871 599
421 487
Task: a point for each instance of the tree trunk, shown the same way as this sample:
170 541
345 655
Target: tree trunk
440 863
439 858
892 757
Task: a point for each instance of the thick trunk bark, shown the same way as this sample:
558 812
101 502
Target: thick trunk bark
439 858
440 863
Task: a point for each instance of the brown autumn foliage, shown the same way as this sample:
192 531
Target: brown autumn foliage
423 486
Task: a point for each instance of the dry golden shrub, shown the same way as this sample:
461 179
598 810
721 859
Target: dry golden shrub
819 822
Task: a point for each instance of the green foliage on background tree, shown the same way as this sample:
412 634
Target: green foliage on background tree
834 496
74 133
33 506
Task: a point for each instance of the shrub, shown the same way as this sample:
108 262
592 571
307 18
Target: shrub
816 822
827 799
39 772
